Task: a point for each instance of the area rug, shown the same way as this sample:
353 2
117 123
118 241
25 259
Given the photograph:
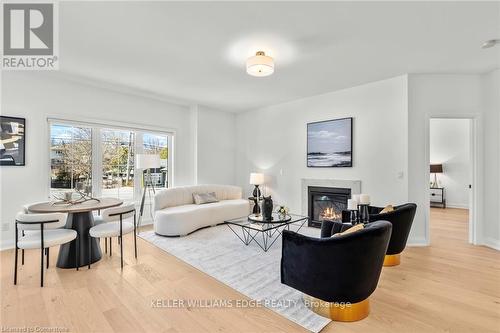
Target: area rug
217 252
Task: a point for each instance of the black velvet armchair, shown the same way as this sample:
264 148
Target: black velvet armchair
401 219
339 273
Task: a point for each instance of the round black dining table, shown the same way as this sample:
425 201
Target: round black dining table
80 219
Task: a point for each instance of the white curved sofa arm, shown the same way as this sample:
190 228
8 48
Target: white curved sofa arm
183 195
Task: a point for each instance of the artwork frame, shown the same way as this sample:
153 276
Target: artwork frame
325 149
12 141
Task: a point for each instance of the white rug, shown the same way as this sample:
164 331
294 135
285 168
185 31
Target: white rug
247 269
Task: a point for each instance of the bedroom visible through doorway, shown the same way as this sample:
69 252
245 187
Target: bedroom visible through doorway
451 177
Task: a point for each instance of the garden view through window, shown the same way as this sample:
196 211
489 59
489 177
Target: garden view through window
70 158
101 161
117 163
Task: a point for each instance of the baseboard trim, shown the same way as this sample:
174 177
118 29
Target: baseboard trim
459 206
417 242
6 245
492 243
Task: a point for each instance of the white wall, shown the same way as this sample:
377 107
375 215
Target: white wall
216 146
450 146
490 85
455 96
38 95
273 140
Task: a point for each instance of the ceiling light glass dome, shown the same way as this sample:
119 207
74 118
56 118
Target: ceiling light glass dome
260 65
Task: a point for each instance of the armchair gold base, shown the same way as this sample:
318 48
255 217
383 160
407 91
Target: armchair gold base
392 259
338 311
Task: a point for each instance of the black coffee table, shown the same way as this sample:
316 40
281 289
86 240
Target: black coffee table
249 230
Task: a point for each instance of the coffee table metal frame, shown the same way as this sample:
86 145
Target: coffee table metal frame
270 231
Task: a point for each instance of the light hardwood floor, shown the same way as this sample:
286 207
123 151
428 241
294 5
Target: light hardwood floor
450 286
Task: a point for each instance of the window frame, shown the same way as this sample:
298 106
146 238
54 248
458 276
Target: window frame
96 127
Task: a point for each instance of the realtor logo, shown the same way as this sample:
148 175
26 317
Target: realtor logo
29 36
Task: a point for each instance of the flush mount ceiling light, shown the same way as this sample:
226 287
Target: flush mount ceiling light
490 43
260 65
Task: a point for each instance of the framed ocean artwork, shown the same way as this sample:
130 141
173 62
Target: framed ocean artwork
329 143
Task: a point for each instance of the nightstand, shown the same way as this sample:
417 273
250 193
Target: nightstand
437 197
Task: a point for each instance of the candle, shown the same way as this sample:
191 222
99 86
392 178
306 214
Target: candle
364 199
352 204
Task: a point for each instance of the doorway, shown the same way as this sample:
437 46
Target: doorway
452 171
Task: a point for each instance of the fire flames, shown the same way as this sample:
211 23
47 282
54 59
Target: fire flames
330 214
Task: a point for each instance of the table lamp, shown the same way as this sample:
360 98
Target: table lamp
256 179
147 162
435 169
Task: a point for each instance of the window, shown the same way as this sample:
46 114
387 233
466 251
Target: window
117 163
70 158
101 160
158 145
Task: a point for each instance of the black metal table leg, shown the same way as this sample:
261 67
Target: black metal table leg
268 235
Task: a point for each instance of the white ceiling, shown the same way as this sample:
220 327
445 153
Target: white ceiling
196 52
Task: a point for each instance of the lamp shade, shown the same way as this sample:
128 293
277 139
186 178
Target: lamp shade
147 161
436 168
256 178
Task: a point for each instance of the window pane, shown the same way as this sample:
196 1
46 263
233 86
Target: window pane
157 144
117 164
70 158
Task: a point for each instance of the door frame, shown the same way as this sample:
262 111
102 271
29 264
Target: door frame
475 177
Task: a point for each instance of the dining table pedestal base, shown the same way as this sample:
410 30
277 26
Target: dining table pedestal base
81 222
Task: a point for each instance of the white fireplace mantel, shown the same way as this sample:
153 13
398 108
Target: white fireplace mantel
354 185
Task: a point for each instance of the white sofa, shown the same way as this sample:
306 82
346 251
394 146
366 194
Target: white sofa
175 213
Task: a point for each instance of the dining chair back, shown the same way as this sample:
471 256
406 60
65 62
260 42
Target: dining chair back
30 227
50 234
114 225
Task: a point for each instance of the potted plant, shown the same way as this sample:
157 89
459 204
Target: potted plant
282 211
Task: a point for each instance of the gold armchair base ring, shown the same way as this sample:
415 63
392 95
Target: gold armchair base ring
338 311
392 259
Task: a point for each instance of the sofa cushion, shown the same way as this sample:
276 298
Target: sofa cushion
204 198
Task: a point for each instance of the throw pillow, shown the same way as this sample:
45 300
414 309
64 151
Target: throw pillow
204 198
387 209
350 230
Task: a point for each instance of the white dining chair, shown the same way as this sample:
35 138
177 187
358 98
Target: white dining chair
98 219
23 232
114 225
48 233
27 206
